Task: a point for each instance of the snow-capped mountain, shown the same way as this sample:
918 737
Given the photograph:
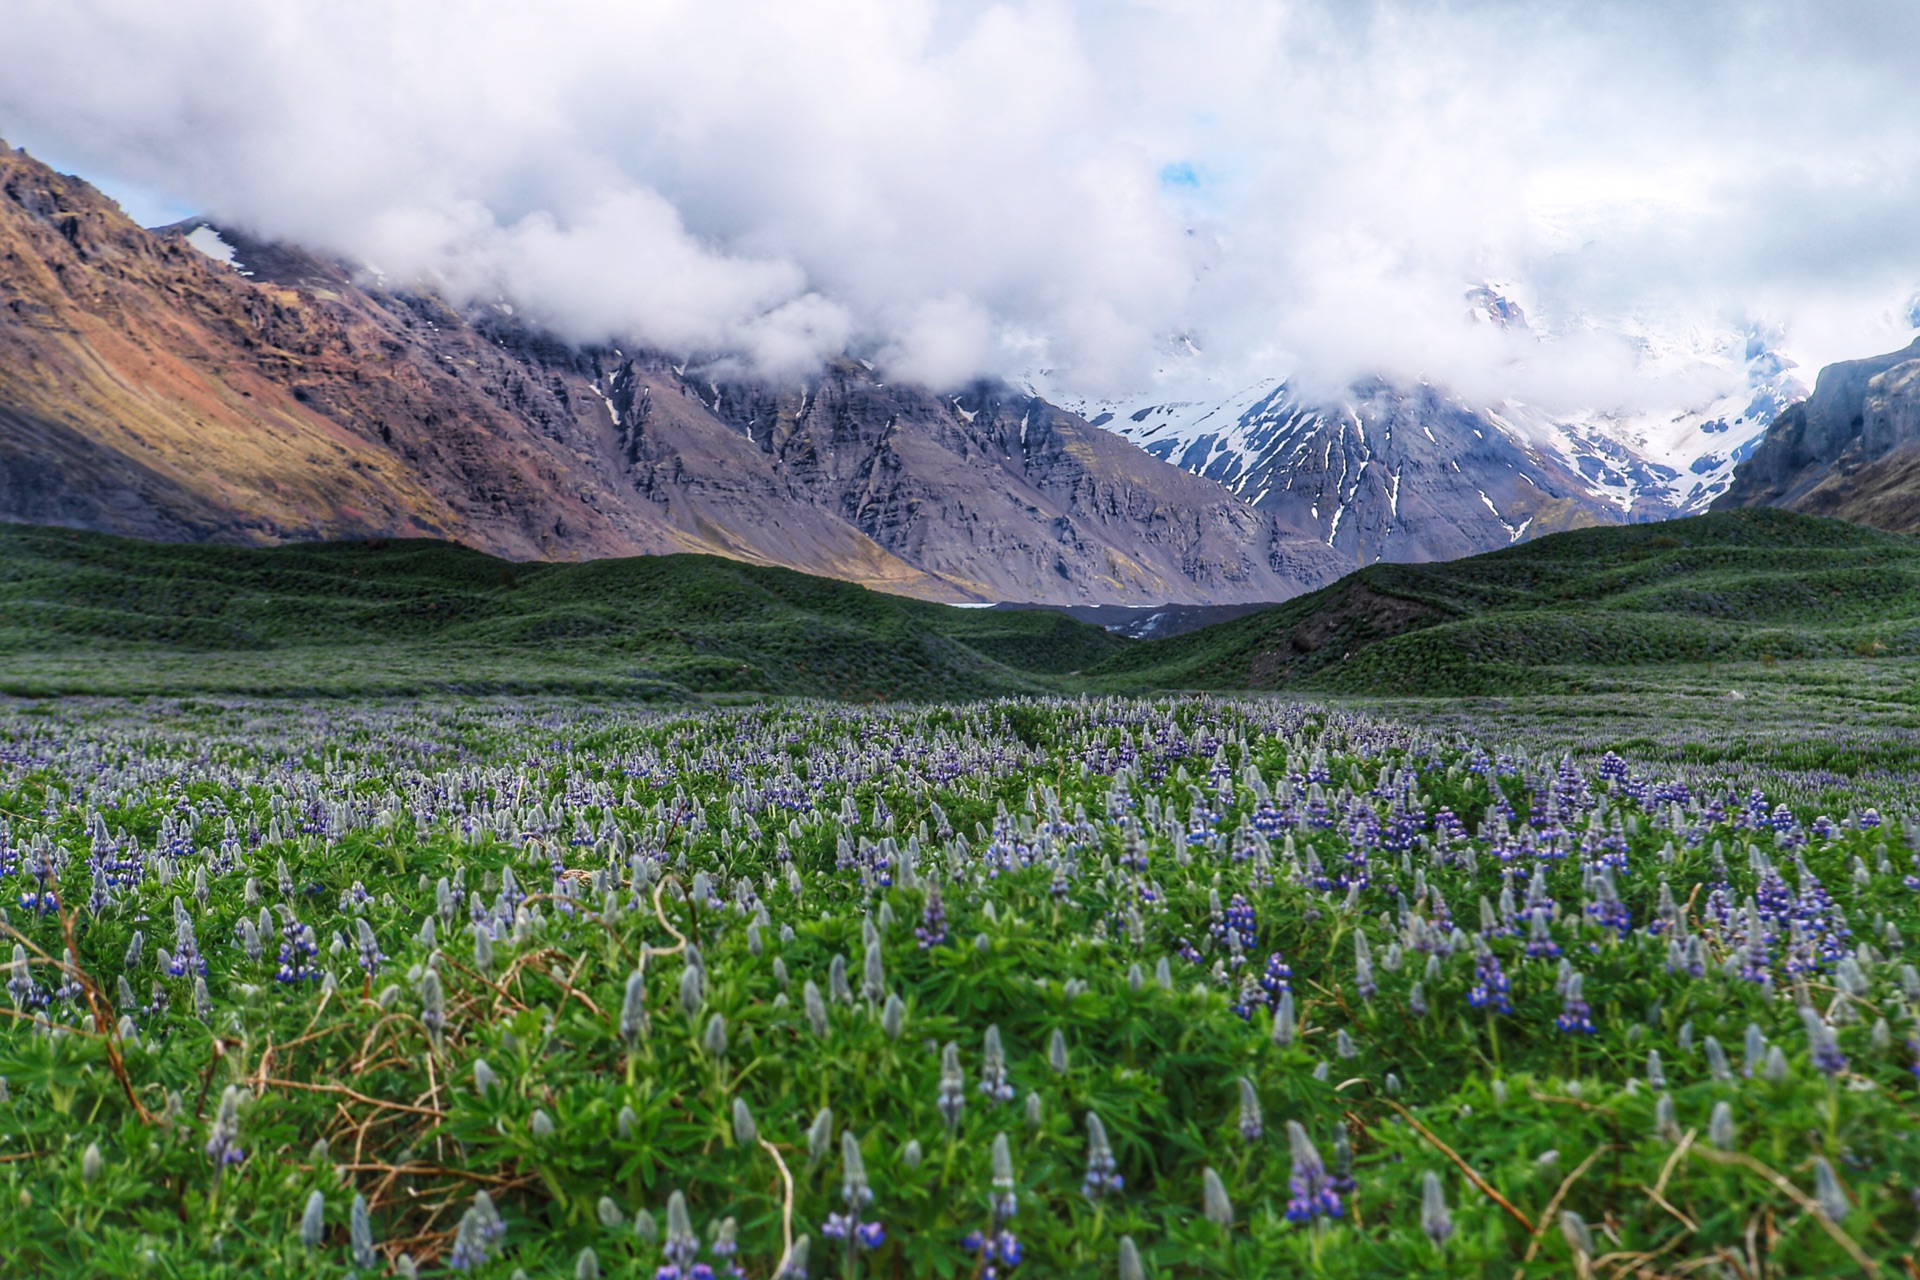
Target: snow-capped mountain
1412 472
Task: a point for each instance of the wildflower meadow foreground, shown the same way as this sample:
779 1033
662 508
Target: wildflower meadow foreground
1090 987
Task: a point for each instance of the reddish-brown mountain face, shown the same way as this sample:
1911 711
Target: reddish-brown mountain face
149 389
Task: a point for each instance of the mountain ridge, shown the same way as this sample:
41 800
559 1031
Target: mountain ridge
148 389
1851 450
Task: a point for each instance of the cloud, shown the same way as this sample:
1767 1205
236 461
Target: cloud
958 186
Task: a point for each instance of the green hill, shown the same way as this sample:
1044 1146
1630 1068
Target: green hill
88 613
1746 585
85 612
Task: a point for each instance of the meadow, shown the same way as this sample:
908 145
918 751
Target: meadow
1611 984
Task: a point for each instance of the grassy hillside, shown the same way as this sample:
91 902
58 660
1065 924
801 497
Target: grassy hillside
1748 585
83 612
87 613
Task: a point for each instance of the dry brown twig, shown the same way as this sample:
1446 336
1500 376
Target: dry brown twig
1472 1175
1799 1197
1553 1206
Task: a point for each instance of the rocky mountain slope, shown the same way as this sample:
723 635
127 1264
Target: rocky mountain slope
152 388
1396 472
1851 450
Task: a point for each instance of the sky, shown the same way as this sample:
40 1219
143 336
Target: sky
1115 195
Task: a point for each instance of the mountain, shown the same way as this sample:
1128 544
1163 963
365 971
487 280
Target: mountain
85 612
1851 450
1412 473
1549 614
196 384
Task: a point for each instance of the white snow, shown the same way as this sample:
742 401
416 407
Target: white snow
210 242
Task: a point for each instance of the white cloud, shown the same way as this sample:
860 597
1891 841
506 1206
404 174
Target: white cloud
959 186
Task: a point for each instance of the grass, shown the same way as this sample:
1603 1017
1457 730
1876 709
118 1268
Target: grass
1571 613
300 979
1555 614
595 929
86 613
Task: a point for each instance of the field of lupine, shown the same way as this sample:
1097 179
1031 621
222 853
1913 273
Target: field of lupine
1096 987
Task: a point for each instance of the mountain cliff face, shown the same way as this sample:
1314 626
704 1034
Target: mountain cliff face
1850 450
1387 473
1410 472
150 388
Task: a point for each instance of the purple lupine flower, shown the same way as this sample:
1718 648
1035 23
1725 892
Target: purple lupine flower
223 1141
371 956
1490 985
1823 1045
682 1243
932 930
1576 1018
1313 1193
1101 1175
993 1071
1276 978
1251 1126
850 1226
297 953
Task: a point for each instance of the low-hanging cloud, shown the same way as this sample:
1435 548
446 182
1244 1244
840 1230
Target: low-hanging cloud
1080 187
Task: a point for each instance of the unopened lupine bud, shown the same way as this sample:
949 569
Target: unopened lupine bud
816 1008
745 1131
483 1078
715 1039
1250 1120
794 1265
1720 1128
587 1265
644 1227
433 1012
1573 1228
1776 1069
819 1136
953 1094
893 1018
626 1123
1219 1209
873 979
360 1235
693 990
911 1154
610 1214
541 1124
1434 1218
1656 1073
1664 1123
1827 1192
313 1223
837 985
633 1010
1717 1066
1283 1028
1057 1051
1130 1265
92 1163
